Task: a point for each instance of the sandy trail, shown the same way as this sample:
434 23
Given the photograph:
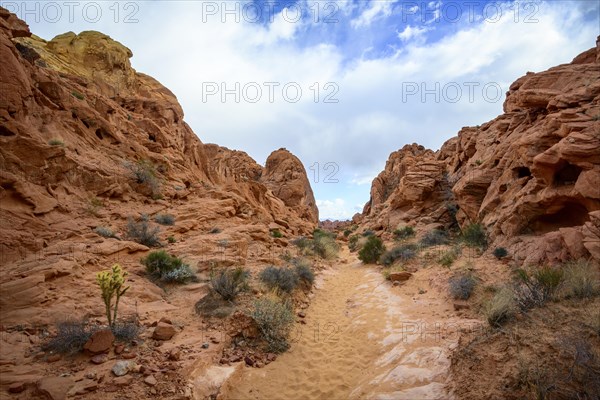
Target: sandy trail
363 338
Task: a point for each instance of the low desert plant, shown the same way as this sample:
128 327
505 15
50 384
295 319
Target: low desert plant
77 95
274 319
143 172
126 331
70 337
535 289
368 232
276 233
104 232
303 270
500 252
581 279
404 233
372 250
474 235
112 285
353 242
461 286
171 239
229 283
448 258
284 279
142 232
301 242
170 269
214 231
164 219
403 253
347 232
500 308
213 305
434 238
324 246
56 142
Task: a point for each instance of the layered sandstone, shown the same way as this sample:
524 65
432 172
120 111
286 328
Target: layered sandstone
531 176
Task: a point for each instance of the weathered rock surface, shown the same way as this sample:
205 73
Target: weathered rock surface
531 176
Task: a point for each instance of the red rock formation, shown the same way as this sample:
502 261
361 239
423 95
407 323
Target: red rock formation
531 176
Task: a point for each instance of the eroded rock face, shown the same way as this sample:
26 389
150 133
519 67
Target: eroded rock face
75 120
531 176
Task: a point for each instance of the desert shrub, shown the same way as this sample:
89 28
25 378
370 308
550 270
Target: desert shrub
229 283
56 142
474 235
112 285
461 286
126 331
274 319
303 270
325 246
171 239
318 233
500 252
534 290
581 279
301 242
143 172
500 308
372 250
70 337
77 95
164 267
404 233
434 238
214 231
447 259
104 232
281 278
353 242
347 232
368 232
164 219
142 232
403 253
276 233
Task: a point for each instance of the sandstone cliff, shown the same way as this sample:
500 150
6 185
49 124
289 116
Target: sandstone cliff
531 176
77 123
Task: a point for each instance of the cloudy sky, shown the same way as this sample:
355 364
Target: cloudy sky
341 84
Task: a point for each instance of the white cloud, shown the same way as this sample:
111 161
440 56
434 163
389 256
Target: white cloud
334 209
377 10
412 33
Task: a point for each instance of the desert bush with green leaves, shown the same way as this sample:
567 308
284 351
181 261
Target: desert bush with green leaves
104 232
500 308
144 173
230 282
534 289
474 235
371 250
165 219
274 319
303 269
581 279
500 252
112 286
403 233
164 267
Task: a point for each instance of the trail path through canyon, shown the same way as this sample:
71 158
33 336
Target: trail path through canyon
363 338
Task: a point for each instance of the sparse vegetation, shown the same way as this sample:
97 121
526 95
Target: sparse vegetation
500 308
372 250
70 337
105 232
112 285
447 259
403 253
474 235
213 305
533 290
126 331
171 239
353 242
347 232
144 173
94 205
276 233
301 242
141 232
229 283
56 142
324 246
303 269
404 233
368 232
281 278
77 95
434 238
581 279
214 231
274 319
461 286
500 252
164 219
169 269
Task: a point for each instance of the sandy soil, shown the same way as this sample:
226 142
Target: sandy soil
363 338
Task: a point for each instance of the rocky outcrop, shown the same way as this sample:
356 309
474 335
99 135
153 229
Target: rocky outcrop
86 141
531 176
